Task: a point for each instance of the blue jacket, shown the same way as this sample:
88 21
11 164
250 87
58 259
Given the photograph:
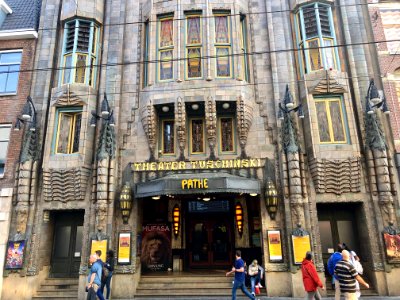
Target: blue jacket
335 257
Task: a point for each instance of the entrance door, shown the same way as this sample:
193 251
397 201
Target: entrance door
209 243
67 244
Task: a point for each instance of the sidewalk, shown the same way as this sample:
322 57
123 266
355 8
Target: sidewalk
240 297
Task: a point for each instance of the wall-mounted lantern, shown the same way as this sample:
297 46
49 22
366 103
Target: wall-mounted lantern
176 218
125 202
239 217
271 198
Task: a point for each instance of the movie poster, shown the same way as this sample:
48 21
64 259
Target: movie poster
275 246
392 245
124 248
301 244
156 247
15 255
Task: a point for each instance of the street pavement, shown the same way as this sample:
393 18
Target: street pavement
239 297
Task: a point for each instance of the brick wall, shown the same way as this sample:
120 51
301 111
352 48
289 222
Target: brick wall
11 105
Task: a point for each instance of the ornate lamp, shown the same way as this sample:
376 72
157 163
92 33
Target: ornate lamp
239 217
106 114
125 202
271 199
176 217
374 100
28 115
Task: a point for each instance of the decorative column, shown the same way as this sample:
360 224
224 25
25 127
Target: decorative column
180 121
149 122
244 117
211 125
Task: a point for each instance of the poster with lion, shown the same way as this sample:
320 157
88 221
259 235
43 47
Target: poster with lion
156 254
392 245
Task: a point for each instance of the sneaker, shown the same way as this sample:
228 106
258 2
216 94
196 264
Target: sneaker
254 295
259 285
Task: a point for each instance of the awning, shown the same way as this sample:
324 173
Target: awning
202 183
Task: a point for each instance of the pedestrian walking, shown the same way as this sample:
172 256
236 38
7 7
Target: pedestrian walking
239 281
99 291
348 276
335 257
311 279
355 261
94 277
109 264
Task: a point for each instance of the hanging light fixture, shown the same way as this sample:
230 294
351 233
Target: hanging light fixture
271 198
239 217
125 202
176 217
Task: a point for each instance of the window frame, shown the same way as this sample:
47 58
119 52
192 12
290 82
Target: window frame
6 140
302 39
91 54
160 49
228 45
5 93
244 48
203 134
75 111
146 29
233 122
343 115
161 147
188 46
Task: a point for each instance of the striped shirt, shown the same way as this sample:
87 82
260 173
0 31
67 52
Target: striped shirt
346 273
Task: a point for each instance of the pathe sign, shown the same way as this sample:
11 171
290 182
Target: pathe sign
188 184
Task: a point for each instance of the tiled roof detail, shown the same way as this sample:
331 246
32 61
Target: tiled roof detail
25 15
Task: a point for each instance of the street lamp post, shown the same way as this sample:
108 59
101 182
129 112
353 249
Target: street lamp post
28 115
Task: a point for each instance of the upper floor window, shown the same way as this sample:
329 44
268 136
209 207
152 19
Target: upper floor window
331 120
10 62
193 46
79 52
165 48
4 140
222 43
316 38
197 141
68 128
243 49
146 54
167 137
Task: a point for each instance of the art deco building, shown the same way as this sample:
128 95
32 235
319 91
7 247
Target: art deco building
216 125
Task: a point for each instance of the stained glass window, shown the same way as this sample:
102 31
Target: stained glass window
194 62
166 33
222 46
80 68
193 30
193 47
223 62
68 132
315 55
168 137
243 48
166 48
226 134
221 30
197 136
330 121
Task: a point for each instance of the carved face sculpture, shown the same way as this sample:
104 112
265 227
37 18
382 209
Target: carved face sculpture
22 218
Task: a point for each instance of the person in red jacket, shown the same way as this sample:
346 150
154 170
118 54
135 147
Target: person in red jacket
311 280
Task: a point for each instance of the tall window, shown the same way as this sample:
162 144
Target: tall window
223 46
165 48
168 137
226 134
193 46
243 48
68 131
316 38
4 140
9 70
197 142
331 120
146 54
79 52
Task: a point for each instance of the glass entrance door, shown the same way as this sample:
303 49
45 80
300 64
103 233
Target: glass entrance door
67 244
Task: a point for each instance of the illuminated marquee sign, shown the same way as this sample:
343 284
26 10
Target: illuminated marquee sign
188 184
197 165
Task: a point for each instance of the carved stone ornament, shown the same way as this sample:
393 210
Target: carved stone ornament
386 204
21 214
326 82
244 117
65 184
289 135
336 176
69 95
149 122
101 215
211 125
180 121
107 142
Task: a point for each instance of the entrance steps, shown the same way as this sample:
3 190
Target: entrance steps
186 284
58 289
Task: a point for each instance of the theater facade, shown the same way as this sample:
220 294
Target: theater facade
176 131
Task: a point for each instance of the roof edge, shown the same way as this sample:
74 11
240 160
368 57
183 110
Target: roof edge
18 34
4 6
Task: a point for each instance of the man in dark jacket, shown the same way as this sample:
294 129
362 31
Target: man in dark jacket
335 257
311 280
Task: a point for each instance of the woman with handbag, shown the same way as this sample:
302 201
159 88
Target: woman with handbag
311 279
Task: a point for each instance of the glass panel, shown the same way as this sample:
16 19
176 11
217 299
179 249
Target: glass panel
94 40
346 234
193 31
77 130
64 129
337 121
10 57
166 65
197 136
329 54
92 66
226 134
168 137
194 63
223 62
315 55
78 241
166 33
67 68
221 30
12 80
326 235
5 133
62 241
80 68
3 151
3 78
323 124
220 242
199 243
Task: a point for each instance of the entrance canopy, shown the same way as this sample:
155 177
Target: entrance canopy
197 183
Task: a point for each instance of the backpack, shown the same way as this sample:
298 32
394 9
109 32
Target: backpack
104 273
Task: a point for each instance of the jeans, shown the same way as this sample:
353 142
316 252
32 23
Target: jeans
107 285
99 294
253 281
242 286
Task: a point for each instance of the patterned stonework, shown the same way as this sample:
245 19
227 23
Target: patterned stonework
211 125
326 82
336 176
65 184
180 120
244 117
149 122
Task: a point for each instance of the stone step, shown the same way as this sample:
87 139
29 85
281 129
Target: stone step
70 292
57 289
59 286
188 292
162 279
61 281
184 285
51 297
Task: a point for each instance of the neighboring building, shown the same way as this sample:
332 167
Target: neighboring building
18 34
189 155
